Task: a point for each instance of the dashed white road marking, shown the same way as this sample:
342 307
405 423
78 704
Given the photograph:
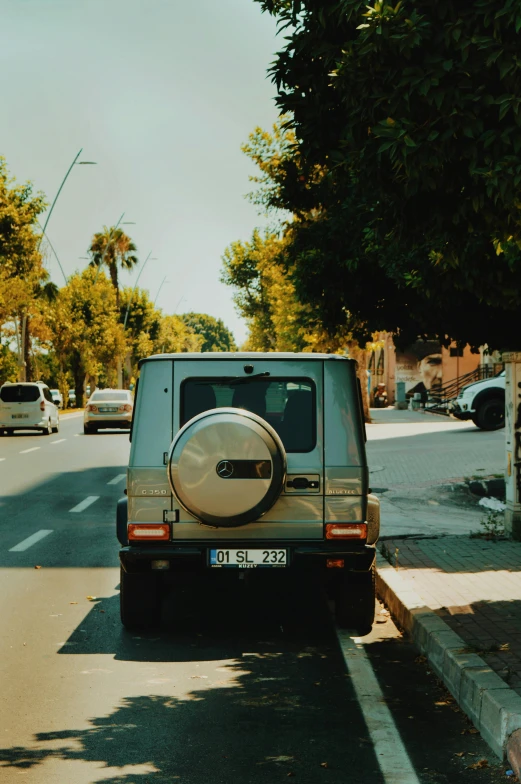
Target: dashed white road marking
117 479
32 449
84 504
2 458
394 762
59 441
26 543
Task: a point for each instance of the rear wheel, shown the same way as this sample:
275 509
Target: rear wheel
89 430
46 431
56 429
491 414
139 600
355 599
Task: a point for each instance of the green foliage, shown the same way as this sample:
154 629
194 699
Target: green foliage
215 336
113 248
405 179
86 333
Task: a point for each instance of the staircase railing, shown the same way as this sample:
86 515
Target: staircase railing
440 399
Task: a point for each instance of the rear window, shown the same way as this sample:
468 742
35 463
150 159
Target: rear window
287 404
107 397
20 393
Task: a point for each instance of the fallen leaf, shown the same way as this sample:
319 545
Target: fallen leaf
459 753
290 774
198 676
73 602
102 611
324 765
92 598
37 567
280 758
420 660
473 731
482 763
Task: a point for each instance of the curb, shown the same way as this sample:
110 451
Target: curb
492 706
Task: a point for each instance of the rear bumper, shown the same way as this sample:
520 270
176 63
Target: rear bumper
24 424
195 557
122 422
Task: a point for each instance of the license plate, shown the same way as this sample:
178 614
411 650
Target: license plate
108 410
19 416
248 559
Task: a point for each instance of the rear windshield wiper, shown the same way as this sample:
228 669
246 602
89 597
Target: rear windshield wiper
232 382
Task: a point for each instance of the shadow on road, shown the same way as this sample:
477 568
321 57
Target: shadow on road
263 695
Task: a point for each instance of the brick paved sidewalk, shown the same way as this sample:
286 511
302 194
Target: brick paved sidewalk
475 586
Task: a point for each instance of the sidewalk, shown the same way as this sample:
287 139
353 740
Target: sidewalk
460 599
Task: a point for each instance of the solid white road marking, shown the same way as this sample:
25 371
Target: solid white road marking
18 548
388 747
117 479
59 441
32 449
85 503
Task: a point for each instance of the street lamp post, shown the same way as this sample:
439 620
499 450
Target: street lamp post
21 358
159 289
135 287
120 371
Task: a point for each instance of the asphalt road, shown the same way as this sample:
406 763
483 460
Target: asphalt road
244 683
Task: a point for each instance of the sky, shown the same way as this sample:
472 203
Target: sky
160 94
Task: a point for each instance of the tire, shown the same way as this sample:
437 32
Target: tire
139 600
47 431
491 414
57 428
88 430
355 600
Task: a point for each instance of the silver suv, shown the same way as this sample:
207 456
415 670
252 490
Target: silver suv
248 461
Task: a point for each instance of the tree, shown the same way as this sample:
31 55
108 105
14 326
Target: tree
86 333
113 248
405 173
22 274
266 298
175 336
216 337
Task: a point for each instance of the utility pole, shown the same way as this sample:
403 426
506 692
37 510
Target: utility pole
513 443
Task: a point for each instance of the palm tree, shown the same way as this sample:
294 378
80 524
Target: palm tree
114 248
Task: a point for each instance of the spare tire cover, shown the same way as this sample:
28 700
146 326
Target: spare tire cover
227 467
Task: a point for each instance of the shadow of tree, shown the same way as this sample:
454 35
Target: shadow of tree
281 704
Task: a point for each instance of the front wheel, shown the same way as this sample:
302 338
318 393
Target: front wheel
491 414
139 600
355 600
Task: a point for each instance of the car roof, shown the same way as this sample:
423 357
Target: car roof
251 355
24 384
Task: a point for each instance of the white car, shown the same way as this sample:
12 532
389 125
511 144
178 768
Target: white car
27 405
108 408
57 397
483 403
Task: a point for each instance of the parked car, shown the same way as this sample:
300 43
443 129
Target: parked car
57 397
108 408
27 405
248 461
483 402
72 398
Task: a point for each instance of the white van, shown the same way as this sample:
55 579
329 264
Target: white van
27 405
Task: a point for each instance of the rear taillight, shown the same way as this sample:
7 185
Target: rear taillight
346 531
126 407
92 407
42 405
152 531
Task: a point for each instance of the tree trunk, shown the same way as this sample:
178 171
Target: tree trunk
29 369
113 269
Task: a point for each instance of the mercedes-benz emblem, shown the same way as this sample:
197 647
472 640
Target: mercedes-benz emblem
225 469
